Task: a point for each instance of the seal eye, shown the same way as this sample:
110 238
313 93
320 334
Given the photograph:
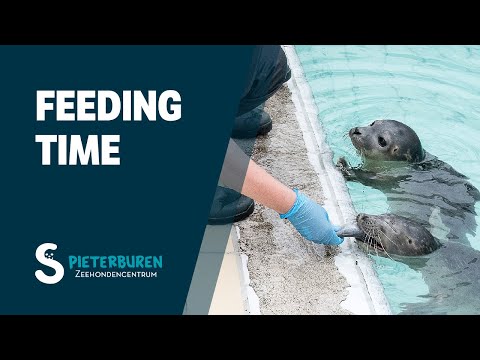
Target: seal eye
373 123
381 141
409 241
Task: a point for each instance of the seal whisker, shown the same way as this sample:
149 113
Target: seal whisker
372 243
372 232
387 237
368 238
375 247
385 250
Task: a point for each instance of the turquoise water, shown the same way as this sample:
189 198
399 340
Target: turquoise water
433 89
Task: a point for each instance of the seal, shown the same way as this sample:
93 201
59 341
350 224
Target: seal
391 235
418 185
387 140
451 270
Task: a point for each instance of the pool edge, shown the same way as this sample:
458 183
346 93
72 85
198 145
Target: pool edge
366 295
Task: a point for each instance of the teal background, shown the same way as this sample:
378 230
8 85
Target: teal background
155 203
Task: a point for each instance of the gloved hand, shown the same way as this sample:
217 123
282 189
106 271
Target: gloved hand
311 221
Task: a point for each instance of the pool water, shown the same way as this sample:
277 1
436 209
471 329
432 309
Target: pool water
433 89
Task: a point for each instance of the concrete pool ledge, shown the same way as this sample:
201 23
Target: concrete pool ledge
365 293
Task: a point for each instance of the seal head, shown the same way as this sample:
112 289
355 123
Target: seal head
391 234
387 140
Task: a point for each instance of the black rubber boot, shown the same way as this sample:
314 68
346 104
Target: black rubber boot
253 123
229 206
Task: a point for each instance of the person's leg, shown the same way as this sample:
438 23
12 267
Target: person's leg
268 73
271 71
251 124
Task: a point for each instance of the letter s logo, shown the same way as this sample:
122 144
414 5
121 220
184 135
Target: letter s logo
46 259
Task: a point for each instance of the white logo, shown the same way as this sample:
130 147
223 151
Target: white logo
45 257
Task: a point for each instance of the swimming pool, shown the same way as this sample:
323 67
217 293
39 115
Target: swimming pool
433 89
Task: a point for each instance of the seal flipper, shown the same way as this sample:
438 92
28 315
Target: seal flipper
365 177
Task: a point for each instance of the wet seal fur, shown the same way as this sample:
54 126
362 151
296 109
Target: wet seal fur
392 235
417 184
451 270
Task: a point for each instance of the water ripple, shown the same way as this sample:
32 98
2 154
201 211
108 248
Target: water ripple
433 89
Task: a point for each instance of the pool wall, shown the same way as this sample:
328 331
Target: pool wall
366 295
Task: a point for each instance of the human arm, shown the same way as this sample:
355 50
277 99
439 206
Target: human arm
309 218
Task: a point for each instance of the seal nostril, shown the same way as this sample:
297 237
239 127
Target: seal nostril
356 131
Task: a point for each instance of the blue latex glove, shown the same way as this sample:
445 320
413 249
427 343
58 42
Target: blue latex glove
311 221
